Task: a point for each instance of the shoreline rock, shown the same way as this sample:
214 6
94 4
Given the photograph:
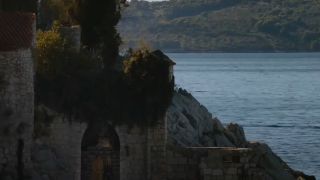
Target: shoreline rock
190 124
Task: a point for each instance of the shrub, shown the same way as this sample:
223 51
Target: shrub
63 76
147 75
63 10
87 88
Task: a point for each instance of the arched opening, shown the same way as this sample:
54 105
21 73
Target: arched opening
100 157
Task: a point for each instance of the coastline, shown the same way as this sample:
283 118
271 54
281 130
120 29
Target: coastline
260 90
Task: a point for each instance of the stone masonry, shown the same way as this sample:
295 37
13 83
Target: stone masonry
213 164
16 93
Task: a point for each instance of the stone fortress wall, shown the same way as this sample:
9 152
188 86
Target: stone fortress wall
57 156
213 163
17 32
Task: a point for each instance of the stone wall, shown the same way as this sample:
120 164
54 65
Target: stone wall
133 150
16 111
143 152
156 150
17 35
229 164
213 164
57 156
182 164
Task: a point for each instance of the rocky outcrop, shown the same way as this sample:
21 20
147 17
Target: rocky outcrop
191 125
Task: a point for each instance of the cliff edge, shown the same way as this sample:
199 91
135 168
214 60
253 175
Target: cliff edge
190 124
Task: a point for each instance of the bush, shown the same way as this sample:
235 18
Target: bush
147 75
63 76
146 72
77 85
86 88
65 11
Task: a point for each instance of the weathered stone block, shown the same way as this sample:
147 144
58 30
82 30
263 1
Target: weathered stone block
217 172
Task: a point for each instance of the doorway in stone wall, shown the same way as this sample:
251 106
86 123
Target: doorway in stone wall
100 158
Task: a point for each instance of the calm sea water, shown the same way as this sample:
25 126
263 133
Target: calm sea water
274 96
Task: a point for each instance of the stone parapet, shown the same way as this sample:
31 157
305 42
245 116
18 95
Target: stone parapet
211 163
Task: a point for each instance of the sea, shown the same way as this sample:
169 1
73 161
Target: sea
274 96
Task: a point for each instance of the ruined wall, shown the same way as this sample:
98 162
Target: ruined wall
156 150
67 140
213 164
229 164
133 152
57 155
16 93
182 164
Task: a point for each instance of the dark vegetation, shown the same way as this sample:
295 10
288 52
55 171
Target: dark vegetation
86 86
147 76
224 25
66 11
98 19
18 5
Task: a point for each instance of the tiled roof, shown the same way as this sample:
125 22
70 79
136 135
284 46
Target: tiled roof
16 30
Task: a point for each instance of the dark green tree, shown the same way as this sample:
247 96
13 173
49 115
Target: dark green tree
98 20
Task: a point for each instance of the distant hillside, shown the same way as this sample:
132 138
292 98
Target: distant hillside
223 25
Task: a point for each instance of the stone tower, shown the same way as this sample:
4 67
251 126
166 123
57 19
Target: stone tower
17 32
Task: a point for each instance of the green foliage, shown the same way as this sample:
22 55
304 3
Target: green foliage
77 85
63 76
147 75
143 69
223 25
85 87
98 20
64 11
50 49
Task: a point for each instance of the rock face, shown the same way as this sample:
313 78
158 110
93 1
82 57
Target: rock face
191 125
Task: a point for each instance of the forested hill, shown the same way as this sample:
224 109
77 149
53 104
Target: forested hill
223 25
